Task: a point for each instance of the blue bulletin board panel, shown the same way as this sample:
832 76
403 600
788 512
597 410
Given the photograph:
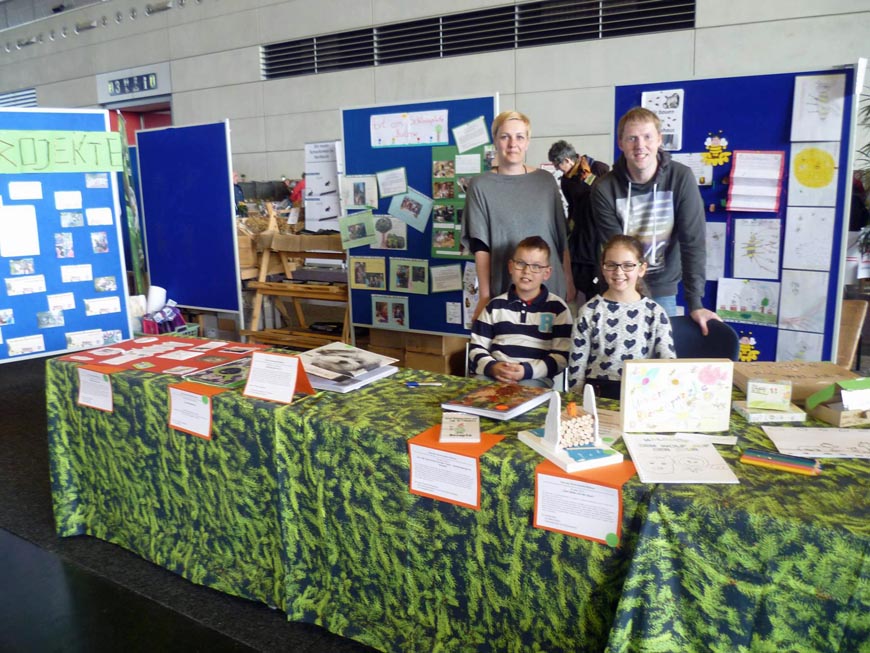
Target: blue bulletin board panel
61 249
185 180
755 113
425 312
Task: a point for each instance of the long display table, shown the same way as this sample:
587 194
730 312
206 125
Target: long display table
306 508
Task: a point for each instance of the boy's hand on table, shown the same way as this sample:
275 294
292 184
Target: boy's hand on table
508 372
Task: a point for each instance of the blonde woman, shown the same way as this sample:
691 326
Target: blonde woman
510 203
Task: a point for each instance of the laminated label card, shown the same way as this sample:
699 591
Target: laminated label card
770 395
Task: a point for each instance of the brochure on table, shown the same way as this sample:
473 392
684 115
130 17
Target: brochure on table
663 458
165 354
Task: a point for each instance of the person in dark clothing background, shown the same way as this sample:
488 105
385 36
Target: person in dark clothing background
579 174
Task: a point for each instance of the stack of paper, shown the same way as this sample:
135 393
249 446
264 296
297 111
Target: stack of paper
341 368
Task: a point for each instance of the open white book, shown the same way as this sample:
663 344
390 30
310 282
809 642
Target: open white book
341 367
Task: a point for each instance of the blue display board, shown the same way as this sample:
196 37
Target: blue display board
755 113
188 216
61 250
426 312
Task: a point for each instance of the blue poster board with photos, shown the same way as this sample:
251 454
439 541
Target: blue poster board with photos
391 277
780 285
61 249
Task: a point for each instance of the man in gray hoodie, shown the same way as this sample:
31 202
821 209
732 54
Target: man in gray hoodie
656 200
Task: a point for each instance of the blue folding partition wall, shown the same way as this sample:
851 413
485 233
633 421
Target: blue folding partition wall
426 312
755 113
61 251
185 178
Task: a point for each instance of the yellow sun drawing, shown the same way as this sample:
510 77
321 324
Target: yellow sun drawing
814 168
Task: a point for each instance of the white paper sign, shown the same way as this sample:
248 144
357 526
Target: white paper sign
28 285
18 233
576 507
190 412
471 134
95 390
98 216
25 190
272 377
392 182
73 273
443 474
856 399
67 199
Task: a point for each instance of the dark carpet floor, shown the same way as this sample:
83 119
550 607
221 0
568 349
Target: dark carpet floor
25 510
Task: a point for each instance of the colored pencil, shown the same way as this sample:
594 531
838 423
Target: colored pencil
781 462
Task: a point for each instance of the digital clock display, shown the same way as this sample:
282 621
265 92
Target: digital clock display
132 84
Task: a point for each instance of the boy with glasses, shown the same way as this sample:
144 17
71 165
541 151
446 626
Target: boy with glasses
523 335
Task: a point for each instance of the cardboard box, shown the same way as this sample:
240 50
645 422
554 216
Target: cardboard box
387 338
264 240
806 378
426 343
247 250
444 364
393 352
306 242
828 404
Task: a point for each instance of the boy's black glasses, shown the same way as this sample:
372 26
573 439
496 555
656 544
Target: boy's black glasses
610 266
534 267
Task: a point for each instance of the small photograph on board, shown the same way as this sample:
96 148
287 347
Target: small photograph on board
72 219
100 242
359 192
409 275
443 190
443 169
413 208
105 284
47 319
390 312
392 233
21 266
367 273
357 229
444 213
63 245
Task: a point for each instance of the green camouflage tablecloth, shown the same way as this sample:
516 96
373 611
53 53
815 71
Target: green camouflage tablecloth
306 507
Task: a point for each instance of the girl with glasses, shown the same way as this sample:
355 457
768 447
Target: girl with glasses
619 324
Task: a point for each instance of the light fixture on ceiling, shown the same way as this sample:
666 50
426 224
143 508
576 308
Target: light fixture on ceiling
23 43
156 7
85 25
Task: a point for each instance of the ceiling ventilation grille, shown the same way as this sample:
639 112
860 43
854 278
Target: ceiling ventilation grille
547 22
25 98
